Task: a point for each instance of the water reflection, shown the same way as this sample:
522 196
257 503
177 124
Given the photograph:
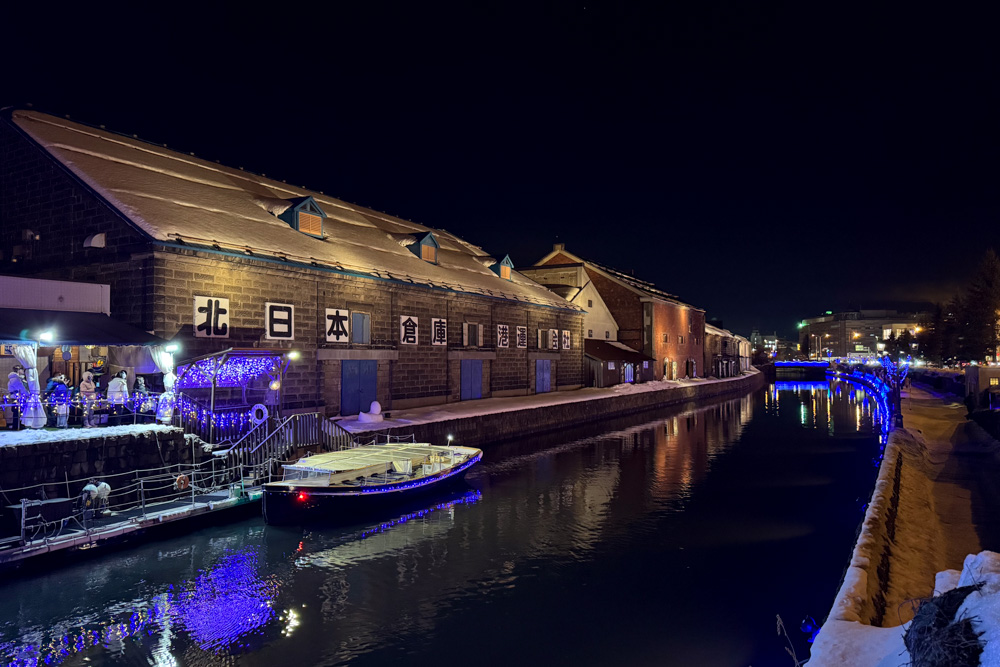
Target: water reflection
553 533
841 407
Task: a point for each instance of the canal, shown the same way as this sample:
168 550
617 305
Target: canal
670 538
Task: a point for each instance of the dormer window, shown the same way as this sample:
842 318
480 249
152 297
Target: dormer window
503 267
304 215
426 247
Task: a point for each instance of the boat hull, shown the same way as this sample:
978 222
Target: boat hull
285 504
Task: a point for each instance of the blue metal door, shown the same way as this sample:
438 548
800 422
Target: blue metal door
472 379
357 385
543 376
367 381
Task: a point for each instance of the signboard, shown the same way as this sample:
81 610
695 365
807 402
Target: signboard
338 325
279 321
211 317
408 327
503 335
439 331
522 337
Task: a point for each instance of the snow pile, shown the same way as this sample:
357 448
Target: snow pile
917 565
848 643
30 436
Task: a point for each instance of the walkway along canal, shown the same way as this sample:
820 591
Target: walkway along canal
668 538
936 501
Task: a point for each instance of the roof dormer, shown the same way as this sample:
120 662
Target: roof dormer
304 215
503 267
426 247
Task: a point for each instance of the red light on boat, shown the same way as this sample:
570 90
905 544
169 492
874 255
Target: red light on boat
302 496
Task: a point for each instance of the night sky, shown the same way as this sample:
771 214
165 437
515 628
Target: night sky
765 163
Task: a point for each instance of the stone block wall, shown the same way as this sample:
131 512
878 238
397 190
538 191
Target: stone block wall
52 463
493 428
153 285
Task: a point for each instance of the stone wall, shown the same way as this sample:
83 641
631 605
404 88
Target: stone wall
52 463
491 428
153 285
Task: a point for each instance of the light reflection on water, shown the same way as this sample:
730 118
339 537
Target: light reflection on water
554 534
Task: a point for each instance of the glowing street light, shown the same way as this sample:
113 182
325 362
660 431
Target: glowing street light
46 336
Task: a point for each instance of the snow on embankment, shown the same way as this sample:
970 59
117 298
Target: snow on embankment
895 560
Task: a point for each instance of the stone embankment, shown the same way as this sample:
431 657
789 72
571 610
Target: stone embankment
95 452
936 501
106 452
495 420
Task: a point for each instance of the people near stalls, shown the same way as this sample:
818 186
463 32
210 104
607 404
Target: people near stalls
60 398
88 399
118 398
57 397
17 389
145 404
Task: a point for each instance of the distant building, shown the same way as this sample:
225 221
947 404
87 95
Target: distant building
857 333
726 354
982 384
648 319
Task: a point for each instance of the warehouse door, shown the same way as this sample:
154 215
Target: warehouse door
357 386
472 379
543 376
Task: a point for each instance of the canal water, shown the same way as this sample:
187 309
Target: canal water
671 538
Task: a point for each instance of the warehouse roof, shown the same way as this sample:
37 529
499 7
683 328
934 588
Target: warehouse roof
175 198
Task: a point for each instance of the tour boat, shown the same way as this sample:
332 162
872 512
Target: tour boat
346 485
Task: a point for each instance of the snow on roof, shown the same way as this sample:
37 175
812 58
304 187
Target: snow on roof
177 198
643 287
716 331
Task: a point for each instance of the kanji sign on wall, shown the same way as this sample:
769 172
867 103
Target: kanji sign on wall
522 337
503 335
553 339
338 325
211 317
279 321
408 329
566 338
439 331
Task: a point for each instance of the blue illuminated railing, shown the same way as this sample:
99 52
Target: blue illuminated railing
801 364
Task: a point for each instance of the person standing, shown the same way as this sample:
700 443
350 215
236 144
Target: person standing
48 402
118 397
59 396
16 392
88 396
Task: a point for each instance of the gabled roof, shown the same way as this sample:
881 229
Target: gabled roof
603 350
176 199
641 287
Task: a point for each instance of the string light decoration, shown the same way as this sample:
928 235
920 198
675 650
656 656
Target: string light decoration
235 371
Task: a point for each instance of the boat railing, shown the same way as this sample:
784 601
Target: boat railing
388 438
132 495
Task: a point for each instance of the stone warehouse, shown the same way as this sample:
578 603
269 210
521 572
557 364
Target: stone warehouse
212 258
623 308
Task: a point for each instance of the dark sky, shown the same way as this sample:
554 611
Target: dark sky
763 162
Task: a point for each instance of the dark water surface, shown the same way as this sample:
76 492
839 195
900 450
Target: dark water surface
665 539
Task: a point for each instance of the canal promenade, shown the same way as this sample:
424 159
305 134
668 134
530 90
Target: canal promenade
476 423
936 501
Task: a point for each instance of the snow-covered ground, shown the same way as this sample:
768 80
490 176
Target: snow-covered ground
943 455
466 409
26 436
852 644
